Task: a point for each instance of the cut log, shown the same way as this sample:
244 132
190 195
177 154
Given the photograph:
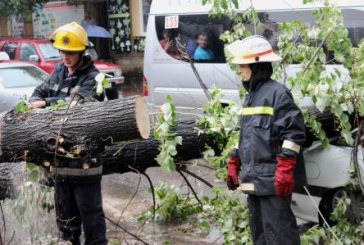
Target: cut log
81 131
140 155
133 155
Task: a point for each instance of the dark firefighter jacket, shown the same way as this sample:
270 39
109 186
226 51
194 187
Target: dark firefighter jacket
58 86
270 117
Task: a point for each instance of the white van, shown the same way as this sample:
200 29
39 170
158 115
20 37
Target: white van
168 73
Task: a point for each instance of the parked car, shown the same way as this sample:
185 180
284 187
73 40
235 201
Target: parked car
18 80
327 173
41 53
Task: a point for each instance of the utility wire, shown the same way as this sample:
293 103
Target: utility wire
322 216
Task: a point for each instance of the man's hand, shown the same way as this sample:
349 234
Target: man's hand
37 104
232 179
284 181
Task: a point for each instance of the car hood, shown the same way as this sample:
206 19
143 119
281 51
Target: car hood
101 65
53 61
10 97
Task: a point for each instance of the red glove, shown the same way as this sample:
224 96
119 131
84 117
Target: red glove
232 179
283 181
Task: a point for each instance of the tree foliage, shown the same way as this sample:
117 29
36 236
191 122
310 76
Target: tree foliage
24 7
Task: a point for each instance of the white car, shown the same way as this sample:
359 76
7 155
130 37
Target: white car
327 173
17 81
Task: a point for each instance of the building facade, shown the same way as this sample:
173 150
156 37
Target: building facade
125 20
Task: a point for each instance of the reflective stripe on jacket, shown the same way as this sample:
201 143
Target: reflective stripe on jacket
270 117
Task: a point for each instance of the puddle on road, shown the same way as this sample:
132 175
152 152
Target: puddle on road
123 202
118 191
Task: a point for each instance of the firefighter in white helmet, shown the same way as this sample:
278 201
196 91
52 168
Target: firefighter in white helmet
78 189
272 131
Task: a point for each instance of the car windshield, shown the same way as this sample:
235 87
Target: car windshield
16 77
49 52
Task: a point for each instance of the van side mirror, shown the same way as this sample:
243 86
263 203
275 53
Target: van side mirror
34 58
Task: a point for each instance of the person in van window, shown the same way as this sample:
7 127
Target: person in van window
268 157
168 43
203 52
78 197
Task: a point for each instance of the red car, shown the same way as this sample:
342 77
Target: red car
41 53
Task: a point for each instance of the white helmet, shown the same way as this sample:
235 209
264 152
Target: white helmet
253 49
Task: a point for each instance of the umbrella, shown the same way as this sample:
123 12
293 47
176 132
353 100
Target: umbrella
97 31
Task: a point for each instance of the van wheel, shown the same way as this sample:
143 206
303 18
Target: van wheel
354 212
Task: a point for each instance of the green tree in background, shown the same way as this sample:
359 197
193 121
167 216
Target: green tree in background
24 7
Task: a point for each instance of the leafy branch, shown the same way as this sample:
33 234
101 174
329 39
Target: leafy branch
326 88
171 205
222 122
168 140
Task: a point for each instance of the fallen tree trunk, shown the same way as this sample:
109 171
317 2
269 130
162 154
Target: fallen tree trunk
133 155
140 154
81 131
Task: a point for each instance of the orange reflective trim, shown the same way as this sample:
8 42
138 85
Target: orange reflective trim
257 54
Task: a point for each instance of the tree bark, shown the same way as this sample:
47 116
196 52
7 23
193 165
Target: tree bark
80 131
139 155
127 156
12 174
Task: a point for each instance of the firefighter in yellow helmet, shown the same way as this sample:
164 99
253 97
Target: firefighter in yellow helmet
78 190
268 163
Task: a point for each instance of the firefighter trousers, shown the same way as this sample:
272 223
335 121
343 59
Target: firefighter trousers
272 221
80 203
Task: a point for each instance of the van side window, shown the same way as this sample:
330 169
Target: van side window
197 37
169 43
354 22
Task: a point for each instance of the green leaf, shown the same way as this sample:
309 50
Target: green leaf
21 106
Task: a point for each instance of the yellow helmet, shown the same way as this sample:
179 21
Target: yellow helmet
69 37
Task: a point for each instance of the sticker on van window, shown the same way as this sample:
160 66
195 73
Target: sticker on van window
171 22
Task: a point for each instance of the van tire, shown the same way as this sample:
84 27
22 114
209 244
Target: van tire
354 212
328 204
